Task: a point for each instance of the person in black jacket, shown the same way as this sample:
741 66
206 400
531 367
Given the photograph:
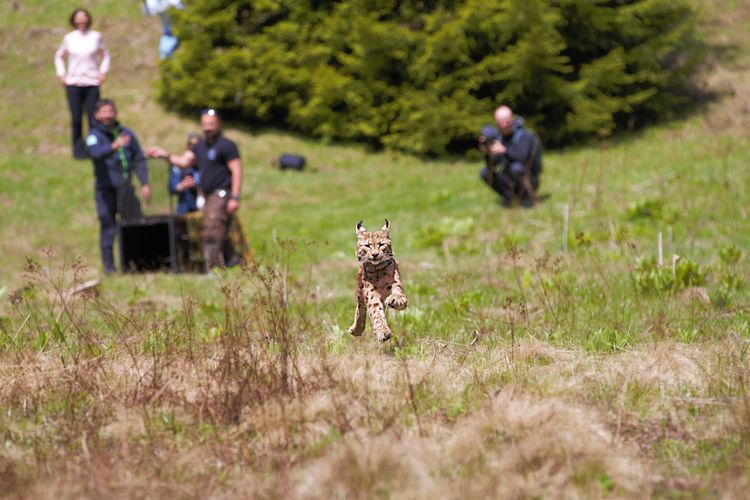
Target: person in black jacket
116 154
513 158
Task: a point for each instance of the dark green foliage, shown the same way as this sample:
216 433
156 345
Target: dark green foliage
424 76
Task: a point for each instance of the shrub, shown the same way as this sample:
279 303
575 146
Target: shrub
424 76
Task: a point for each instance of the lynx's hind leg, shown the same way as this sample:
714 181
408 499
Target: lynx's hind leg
359 317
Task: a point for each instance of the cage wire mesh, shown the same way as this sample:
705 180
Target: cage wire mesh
129 203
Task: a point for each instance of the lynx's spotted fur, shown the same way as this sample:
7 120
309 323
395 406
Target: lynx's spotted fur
378 281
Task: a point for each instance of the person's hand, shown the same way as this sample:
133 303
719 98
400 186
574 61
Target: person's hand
146 193
61 79
232 206
187 183
121 141
102 77
156 152
497 148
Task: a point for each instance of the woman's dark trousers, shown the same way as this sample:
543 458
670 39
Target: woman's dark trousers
78 99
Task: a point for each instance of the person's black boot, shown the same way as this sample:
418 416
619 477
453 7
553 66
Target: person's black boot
108 261
213 255
79 151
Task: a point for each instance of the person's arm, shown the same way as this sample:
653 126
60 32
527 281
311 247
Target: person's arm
184 160
104 65
141 166
235 167
497 148
174 179
520 149
100 147
60 61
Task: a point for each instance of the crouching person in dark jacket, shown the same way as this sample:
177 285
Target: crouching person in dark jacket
514 159
116 154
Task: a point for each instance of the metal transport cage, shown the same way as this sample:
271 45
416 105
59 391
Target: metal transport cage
151 236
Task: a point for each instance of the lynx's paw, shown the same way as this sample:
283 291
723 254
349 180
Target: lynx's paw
384 335
353 330
396 301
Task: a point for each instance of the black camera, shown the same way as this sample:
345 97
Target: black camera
487 136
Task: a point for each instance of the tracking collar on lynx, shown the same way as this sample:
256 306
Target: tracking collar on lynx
378 281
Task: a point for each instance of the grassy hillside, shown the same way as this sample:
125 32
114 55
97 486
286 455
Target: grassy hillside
518 369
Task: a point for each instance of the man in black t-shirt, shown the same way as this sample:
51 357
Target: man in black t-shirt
218 161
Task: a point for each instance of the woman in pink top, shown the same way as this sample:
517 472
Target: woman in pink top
88 63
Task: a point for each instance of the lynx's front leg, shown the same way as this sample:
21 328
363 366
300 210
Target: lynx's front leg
376 310
379 324
397 298
359 314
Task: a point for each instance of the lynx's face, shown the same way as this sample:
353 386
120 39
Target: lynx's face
373 247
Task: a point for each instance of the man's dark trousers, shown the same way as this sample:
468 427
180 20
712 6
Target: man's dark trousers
508 183
106 209
78 97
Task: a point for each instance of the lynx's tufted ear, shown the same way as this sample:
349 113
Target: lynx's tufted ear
360 230
386 226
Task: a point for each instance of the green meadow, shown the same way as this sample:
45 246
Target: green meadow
530 362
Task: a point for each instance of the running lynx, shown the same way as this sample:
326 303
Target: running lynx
378 281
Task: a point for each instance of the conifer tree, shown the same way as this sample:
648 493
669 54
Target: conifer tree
424 75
